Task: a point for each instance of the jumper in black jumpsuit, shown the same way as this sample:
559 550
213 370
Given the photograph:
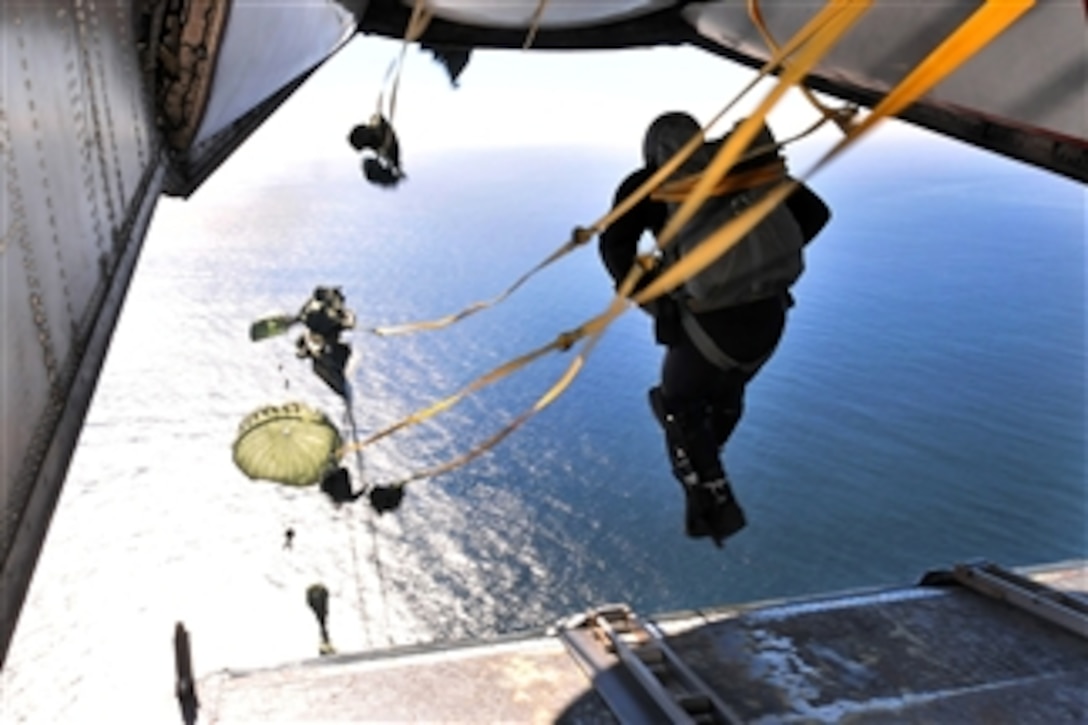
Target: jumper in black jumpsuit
693 388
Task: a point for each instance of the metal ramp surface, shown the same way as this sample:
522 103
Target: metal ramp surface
970 645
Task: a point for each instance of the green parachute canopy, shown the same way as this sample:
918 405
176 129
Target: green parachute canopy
291 443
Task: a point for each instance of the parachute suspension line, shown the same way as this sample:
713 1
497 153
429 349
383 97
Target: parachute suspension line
372 529
575 241
563 342
360 464
593 329
534 24
360 600
974 34
679 189
829 25
582 235
842 116
417 24
379 570
824 30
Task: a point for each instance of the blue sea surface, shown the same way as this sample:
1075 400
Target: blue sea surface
926 406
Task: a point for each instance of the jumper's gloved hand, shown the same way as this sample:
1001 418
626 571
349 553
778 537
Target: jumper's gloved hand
664 308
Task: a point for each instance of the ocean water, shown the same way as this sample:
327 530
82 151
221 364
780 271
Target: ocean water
927 406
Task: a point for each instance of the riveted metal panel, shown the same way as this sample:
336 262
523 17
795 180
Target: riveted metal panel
38 317
122 110
81 172
1012 97
1010 78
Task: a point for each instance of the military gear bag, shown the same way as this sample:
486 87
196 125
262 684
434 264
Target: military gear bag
764 263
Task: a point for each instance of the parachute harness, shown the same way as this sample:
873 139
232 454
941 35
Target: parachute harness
793 61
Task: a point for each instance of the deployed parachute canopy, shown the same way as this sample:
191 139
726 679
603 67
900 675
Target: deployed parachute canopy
292 444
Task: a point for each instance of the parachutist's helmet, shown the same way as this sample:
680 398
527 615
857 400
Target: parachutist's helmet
667 135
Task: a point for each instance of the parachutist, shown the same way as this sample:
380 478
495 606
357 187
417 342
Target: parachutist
722 325
325 318
325 313
185 686
378 137
317 596
288 538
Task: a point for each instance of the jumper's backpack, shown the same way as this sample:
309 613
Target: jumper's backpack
766 262
768 259
763 263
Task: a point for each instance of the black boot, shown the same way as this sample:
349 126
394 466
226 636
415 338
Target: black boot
711 508
717 509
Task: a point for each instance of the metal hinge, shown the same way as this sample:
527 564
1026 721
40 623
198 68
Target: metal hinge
1038 599
636 673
